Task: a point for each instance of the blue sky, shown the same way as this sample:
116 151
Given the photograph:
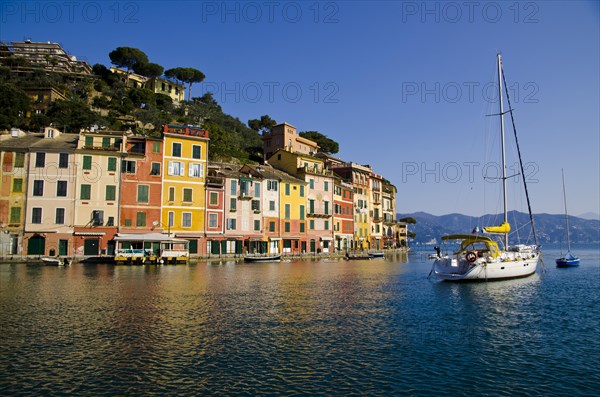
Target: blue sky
403 86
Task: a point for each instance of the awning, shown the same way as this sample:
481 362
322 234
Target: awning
151 237
89 233
257 239
291 238
275 238
189 235
326 238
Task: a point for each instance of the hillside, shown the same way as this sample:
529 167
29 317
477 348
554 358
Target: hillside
34 97
550 228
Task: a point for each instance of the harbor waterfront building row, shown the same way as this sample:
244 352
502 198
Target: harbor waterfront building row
99 193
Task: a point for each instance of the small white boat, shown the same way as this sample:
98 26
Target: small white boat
49 261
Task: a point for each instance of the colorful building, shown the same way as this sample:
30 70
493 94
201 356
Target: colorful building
284 136
390 228
98 159
343 215
14 157
215 207
271 184
158 200
233 239
141 186
249 211
317 210
50 211
184 194
157 85
359 176
375 211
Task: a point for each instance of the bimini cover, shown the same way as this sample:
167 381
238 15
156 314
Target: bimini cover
500 229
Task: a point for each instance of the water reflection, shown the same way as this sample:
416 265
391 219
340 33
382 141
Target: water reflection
297 327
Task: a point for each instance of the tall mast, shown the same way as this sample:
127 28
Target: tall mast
502 142
566 214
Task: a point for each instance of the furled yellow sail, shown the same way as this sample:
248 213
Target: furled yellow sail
501 229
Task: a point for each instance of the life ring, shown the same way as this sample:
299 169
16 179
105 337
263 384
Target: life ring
471 256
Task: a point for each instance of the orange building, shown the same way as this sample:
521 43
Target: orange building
141 186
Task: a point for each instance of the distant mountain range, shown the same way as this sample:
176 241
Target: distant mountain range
549 228
590 215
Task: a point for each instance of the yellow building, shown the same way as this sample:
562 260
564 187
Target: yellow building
14 157
318 198
292 216
184 178
157 85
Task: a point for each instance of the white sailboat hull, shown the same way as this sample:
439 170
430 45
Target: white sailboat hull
508 265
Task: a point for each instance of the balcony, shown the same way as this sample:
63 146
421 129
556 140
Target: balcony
137 148
315 170
215 181
112 148
318 214
245 196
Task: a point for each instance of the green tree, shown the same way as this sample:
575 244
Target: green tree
127 57
326 145
37 122
223 145
141 96
14 104
186 75
262 125
71 115
164 102
150 69
207 99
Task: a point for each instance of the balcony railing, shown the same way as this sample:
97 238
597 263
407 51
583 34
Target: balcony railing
215 181
102 148
245 196
315 170
318 214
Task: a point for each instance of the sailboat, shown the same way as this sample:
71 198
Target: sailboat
569 259
480 257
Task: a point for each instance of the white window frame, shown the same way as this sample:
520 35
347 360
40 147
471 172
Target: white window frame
180 170
196 170
213 220
183 219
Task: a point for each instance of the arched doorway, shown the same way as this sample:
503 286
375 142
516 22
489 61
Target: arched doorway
36 245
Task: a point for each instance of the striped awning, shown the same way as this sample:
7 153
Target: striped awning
89 233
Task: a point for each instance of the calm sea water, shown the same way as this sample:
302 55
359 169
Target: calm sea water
376 327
